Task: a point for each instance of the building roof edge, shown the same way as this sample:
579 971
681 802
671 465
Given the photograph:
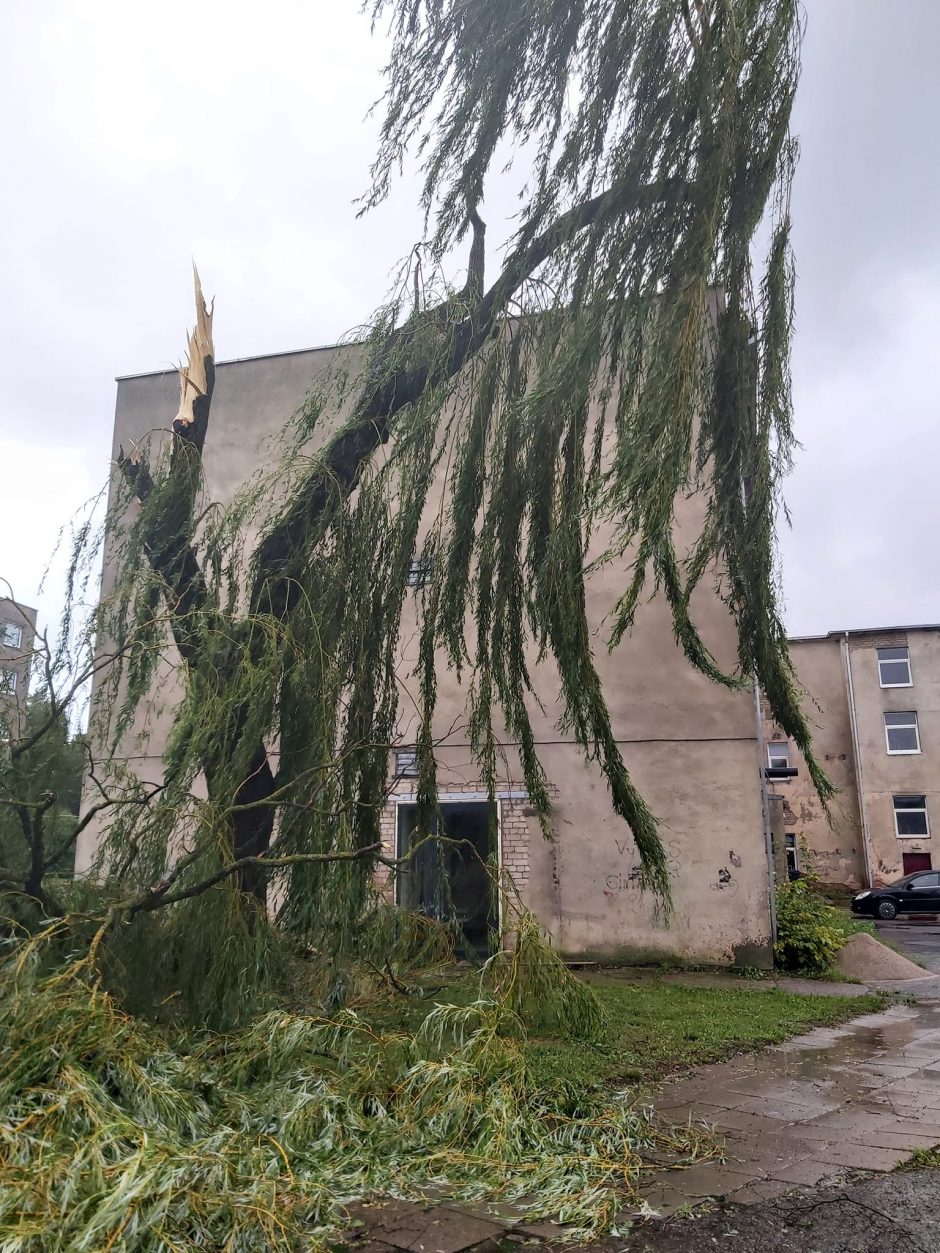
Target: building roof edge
872 630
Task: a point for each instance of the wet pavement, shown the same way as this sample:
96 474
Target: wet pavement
802 1115
896 1213
797 1121
917 938
862 1096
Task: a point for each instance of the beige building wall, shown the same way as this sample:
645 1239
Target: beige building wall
886 775
840 672
692 748
834 843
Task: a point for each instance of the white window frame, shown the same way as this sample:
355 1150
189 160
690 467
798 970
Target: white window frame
8 680
460 798
911 809
903 726
791 851
894 661
17 641
779 745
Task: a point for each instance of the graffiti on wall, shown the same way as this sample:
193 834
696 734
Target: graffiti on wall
631 877
726 882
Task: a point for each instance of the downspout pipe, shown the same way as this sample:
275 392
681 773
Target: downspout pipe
857 757
765 806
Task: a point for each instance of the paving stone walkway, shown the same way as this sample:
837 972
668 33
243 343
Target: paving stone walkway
861 1096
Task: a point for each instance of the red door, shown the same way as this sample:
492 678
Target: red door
915 861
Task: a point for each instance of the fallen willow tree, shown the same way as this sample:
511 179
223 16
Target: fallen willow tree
624 356
115 1135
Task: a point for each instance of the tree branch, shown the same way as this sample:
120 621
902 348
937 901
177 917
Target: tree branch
282 552
157 897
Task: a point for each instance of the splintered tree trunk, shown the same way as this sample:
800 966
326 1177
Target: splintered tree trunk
193 615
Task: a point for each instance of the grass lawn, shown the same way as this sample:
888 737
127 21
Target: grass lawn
654 1028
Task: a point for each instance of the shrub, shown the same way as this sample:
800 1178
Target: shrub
808 931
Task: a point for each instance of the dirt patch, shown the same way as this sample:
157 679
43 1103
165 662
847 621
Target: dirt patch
868 960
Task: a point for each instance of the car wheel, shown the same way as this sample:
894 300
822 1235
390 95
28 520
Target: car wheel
887 910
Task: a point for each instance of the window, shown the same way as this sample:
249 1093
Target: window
926 882
910 817
792 864
778 754
901 733
11 636
8 680
894 667
406 763
419 571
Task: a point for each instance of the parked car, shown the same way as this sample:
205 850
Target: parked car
914 894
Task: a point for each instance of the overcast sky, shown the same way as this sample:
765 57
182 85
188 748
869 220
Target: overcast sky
136 137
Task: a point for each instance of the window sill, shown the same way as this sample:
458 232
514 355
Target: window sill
904 752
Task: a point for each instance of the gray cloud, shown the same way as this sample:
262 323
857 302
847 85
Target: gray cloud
238 136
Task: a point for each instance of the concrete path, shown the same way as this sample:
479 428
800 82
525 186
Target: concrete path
861 1096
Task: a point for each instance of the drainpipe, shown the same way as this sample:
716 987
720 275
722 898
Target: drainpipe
857 755
765 806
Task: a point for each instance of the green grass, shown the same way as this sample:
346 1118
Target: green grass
922 1157
655 1028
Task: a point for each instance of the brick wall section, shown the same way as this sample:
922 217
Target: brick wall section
514 843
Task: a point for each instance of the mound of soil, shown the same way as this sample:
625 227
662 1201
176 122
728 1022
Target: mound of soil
870 961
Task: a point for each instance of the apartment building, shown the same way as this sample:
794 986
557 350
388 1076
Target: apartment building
873 696
17 629
694 749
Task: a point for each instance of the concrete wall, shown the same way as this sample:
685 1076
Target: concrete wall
15 660
691 747
836 851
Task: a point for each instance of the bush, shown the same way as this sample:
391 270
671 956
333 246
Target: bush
808 930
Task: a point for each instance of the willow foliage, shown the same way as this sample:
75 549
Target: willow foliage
625 356
116 1135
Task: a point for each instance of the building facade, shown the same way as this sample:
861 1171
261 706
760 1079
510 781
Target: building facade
873 697
693 749
17 631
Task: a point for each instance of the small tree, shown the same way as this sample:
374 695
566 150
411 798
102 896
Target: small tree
49 769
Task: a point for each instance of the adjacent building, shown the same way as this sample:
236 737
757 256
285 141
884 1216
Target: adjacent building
873 697
694 749
17 630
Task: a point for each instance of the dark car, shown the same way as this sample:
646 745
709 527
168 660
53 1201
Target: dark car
914 894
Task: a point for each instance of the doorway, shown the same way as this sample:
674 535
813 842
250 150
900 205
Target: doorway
912 862
449 879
